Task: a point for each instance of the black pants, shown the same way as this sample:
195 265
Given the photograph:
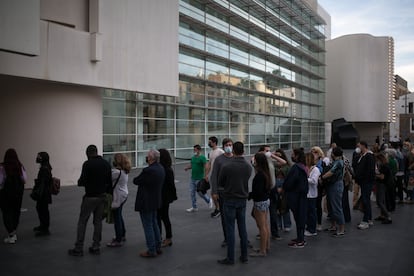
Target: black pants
11 211
345 204
223 222
42 208
163 215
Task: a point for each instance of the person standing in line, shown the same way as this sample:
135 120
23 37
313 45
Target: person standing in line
273 160
356 200
365 177
234 180
148 201
42 189
383 179
216 190
283 214
313 180
120 171
261 186
318 156
296 188
168 195
197 167
334 191
12 179
215 152
96 177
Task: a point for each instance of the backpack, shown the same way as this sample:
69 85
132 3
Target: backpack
55 186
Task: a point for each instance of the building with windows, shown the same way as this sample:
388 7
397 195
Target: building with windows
133 75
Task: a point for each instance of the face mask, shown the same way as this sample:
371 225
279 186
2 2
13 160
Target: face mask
210 145
268 154
38 160
195 153
253 162
146 159
228 149
358 150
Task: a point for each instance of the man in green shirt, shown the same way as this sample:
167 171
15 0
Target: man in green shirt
197 166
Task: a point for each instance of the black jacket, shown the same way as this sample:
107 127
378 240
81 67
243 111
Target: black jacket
150 182
365 169
43 181
169 192
296 180
96 177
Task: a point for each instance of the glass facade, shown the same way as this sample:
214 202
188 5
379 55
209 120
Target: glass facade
252 70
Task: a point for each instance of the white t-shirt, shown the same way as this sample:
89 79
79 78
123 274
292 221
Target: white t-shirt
213 155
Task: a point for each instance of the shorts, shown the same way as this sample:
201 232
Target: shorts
262 205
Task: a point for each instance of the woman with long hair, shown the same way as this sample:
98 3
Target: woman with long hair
318 156
260 194
168 195
120 171
41 193
12 179
313 178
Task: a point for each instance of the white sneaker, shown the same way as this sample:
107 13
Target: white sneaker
287 229
191 210
319 228
11 239
211 203
309 234
363 225
370 223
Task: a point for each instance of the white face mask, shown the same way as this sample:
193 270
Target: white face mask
228 149
358 150
268 154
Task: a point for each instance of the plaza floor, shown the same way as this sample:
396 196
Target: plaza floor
381 250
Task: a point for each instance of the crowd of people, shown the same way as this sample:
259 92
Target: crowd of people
309 184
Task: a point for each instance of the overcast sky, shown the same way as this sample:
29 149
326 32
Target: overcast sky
379 18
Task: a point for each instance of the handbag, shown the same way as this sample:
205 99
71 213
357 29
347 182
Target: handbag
203 186
108 214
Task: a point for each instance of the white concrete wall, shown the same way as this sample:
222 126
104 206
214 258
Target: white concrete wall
44 116
19 26
137 44
358 78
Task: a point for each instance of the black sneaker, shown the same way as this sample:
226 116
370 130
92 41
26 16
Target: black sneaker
94 251
224 244
244 260
387 221
215 214
225 262
75 252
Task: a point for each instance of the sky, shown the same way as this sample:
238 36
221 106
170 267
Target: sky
393 18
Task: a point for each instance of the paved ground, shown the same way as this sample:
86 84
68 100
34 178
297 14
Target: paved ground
381 250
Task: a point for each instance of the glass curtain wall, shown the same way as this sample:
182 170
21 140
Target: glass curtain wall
249 70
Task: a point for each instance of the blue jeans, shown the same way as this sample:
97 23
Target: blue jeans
311 217
193 191
235 209
151 230
334 193
119 224
366 189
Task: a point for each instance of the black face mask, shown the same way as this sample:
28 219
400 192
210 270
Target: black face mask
146 159
38 160
210 145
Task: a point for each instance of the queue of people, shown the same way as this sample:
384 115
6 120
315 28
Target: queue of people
311 183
